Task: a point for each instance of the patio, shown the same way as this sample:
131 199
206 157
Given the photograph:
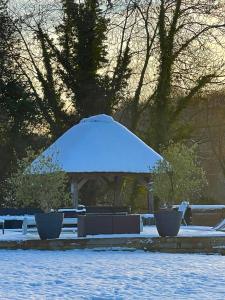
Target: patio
191 239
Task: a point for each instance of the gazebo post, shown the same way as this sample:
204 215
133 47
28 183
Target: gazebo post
150 197
74 192
117 200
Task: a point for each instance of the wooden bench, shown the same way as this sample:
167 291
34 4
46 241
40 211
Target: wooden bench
4 218
28 221
3 225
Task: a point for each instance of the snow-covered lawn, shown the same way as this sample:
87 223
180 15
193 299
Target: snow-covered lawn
86 274
148 231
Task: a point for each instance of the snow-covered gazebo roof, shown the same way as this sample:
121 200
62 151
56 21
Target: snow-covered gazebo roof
99 144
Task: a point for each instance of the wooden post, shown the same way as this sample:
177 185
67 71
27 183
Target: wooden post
150 198
74 192
117 187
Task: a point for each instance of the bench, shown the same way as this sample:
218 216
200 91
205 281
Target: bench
5 218
3 225
148 219
69 220
30 221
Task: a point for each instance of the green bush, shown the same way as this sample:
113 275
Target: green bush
179 176
43 185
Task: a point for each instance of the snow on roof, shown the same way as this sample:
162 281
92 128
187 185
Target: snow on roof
100 144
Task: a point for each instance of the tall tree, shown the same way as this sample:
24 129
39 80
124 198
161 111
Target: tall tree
71 69
82 38
185 28
176 47
82 55
15 100
17 109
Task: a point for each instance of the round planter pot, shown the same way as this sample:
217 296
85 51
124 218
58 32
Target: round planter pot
49 225
168 222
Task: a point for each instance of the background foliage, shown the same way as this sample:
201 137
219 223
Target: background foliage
179 176
156 66
43 185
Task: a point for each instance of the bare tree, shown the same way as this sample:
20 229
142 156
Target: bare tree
186 31
176 49
156 60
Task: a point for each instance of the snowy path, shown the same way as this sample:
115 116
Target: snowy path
86 274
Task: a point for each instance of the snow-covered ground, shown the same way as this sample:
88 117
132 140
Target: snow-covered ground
88 274
148 231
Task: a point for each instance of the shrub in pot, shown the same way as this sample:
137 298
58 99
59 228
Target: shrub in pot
42 185
177 177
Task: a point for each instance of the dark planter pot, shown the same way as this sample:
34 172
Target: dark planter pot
168 222
49 225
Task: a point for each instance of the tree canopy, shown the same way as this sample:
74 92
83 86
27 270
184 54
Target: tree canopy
145 62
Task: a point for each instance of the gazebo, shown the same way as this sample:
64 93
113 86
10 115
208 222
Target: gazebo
101 146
